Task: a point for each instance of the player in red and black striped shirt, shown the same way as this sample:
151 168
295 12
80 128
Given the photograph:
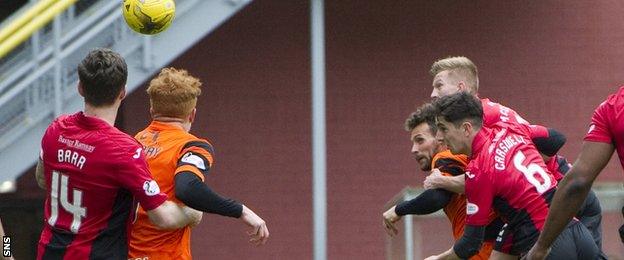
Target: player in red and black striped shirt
506 174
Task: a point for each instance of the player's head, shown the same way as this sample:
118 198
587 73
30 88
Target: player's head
458 117
454 74
102 74
173 94
422 127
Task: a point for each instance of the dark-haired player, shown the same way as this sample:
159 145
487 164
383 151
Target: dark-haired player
94 173
506 174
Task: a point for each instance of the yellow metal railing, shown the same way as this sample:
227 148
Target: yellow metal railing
32 20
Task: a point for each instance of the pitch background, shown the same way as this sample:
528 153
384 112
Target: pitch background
553 62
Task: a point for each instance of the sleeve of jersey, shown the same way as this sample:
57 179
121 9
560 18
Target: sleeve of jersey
196 157
134 176
479 197
449 166
599 127
547 140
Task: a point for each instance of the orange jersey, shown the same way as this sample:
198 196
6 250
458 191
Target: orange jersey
453 165
169 150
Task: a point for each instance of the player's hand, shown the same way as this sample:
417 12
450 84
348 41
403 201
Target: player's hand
434 180
259 232
389 218
536 254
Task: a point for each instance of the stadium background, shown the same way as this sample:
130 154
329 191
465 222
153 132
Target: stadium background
553 62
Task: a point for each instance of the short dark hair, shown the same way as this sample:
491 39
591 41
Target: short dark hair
103 74
459 106
423 114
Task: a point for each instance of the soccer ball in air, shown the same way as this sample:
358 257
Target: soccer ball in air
148 16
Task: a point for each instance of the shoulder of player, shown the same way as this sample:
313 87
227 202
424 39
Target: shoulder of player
121 142
447 162
196 143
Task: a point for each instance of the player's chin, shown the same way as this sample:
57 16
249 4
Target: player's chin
424 163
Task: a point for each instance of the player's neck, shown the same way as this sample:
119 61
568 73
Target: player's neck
174 121
107 113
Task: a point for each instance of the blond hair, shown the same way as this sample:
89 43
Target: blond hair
173 93
458 66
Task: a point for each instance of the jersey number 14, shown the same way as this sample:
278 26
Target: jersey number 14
74 208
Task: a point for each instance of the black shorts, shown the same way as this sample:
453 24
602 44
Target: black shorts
590 215
575 242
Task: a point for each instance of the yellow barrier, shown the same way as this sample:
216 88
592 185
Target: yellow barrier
24 18
39 21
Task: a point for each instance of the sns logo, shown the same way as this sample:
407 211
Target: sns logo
151 188
470 175
471 208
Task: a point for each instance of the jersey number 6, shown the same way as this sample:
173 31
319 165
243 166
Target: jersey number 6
529 172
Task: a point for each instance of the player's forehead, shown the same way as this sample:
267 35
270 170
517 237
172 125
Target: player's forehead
441 122
423 130
442 77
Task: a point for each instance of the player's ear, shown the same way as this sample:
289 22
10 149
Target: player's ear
122 94
152 111
192 115
467 128
462 86
80 89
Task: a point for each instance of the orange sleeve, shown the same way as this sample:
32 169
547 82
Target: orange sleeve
196 157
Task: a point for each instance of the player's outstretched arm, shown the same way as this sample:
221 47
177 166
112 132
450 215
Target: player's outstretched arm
571 193
427 202
259 232
39 174
451 183
196 194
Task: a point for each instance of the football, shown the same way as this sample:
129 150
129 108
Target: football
148 16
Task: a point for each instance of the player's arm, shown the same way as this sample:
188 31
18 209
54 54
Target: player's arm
436 180
194 216
39 174
169 215
571 193
193 192
426 203
133 174
467 246
548 141
195 161
453 178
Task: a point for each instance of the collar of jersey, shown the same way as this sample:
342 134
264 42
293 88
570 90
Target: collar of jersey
91 121
157 125
479 141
